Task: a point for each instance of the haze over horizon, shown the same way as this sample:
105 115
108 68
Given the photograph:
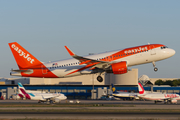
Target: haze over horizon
45 27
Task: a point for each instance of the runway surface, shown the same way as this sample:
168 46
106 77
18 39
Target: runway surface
126 105
93 116
89 102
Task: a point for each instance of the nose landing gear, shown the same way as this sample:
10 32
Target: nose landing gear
154 65
155 69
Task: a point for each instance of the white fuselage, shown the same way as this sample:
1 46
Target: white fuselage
125 95
88 64
159 96
64 67
44 96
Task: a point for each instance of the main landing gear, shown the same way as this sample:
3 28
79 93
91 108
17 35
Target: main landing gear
99 79
154 65
48 101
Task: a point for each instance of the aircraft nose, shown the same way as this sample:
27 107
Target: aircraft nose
65 97
172 52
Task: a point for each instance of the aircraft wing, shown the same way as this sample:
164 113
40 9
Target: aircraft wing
49 97
89 62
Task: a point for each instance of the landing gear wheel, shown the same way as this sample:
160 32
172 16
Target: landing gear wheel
51 101
165 101
99 78
155 69
47 101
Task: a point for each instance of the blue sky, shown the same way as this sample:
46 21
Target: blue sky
43 27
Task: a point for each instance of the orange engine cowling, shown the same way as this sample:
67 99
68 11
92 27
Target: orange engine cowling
119 68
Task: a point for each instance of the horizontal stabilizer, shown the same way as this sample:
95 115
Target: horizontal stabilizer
21 70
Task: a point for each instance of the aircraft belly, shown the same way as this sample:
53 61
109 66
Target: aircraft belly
70 71
59 72
64 73
154 97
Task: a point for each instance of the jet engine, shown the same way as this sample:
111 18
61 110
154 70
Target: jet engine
116 68
119 68
173 101
56 100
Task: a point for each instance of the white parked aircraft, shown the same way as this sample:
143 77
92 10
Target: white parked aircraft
20 95
158 97
116 62
124 95
42 97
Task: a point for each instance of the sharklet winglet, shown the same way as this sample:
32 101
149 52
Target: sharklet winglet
69 51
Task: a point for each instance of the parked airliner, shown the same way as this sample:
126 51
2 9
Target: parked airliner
124 95
116 62
157 97
42 97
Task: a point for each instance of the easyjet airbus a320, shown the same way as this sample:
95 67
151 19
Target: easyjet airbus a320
116 62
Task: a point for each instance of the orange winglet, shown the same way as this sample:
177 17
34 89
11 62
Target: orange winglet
69 51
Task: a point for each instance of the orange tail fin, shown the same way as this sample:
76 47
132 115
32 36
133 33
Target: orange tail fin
23 58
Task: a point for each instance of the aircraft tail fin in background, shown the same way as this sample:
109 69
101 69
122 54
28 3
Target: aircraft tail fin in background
20 86
21 95
113 89
23 91
23 58
141 89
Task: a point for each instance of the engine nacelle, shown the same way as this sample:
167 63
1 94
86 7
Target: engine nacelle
56 100
119 68
173 101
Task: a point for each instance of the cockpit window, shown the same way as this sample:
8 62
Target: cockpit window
164 47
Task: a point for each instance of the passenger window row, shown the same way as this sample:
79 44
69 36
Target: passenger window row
102 58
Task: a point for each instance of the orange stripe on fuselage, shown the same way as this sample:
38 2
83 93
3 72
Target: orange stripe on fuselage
83 68
130 51
85 62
